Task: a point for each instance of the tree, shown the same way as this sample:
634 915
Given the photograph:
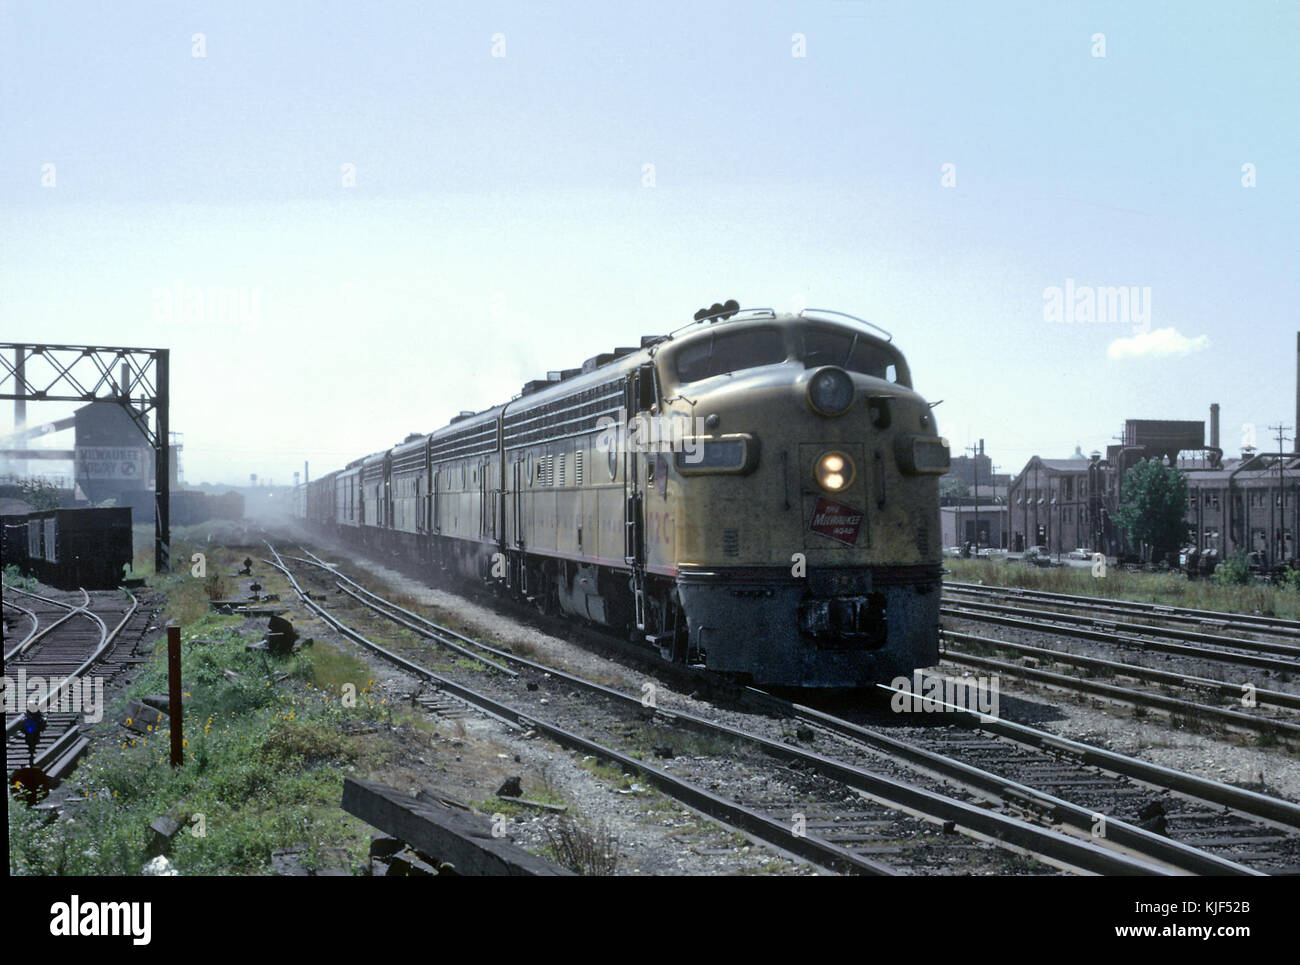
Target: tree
954 488
1154 506
39 494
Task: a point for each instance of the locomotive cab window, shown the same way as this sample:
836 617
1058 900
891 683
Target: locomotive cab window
726 352
857 353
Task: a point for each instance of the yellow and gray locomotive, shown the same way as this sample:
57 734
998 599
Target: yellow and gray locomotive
755 493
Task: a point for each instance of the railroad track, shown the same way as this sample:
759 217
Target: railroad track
1068 782
943 789
1262 710
68 640
25 615
1262 654
1254 721
1240 622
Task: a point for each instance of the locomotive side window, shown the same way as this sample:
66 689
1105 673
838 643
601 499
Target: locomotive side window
729 352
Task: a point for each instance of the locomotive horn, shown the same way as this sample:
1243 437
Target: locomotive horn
730 306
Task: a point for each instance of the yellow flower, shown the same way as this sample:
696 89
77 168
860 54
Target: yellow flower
128 722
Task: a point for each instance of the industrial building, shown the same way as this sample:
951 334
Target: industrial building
1250 502
984 525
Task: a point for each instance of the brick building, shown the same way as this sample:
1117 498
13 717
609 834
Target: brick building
1056 503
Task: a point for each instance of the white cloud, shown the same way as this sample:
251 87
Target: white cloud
1158 344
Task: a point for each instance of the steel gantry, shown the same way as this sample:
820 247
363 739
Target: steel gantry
31 372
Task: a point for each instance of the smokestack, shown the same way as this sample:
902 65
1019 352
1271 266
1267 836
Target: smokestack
1297 387
1214 425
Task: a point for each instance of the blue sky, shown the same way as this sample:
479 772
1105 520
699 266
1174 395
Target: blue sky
502 222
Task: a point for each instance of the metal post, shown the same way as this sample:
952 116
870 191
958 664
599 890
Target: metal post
174 705
162 467
20 404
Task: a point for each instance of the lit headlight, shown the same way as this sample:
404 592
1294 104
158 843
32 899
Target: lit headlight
834 471
831 391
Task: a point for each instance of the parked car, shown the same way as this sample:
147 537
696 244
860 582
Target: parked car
1037 556
1081 554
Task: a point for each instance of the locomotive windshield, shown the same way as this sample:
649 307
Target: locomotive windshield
849 350
724 352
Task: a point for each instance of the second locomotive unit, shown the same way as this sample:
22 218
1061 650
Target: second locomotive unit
756 493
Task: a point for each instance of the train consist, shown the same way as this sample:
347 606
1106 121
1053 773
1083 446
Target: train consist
69 548
755 493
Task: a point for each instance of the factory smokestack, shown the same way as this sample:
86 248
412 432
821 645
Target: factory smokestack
1297 389
1214 425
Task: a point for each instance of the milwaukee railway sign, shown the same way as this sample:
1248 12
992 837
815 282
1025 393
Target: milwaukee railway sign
110 462
836 521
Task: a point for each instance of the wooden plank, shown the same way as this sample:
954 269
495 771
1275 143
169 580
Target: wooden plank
463 840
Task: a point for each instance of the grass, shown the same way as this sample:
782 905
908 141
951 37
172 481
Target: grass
265 755
1172 589
582 847
13 576
263 767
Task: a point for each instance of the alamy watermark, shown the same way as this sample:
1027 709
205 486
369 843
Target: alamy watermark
213 306
931 694
652 433
1073 304
81 695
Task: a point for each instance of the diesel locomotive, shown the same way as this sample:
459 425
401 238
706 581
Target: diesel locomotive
754 493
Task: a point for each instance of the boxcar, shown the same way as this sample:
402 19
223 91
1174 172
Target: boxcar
70 548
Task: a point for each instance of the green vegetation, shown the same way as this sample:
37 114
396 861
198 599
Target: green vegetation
953 488
1233 571
264 770
1155 503
39 494
1173 589
13 576
266 750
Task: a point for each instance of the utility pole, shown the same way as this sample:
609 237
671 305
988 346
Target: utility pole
1281 501
977 452
993 484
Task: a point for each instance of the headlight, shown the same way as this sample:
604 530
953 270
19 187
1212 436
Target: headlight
834 472
831 391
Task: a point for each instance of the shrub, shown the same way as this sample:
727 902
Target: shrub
1233 571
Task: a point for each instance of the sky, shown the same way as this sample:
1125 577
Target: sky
349 221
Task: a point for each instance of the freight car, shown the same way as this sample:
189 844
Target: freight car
755 493
69 548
